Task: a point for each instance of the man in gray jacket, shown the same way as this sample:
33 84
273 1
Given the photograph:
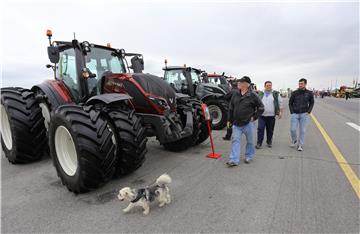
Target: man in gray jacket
245 107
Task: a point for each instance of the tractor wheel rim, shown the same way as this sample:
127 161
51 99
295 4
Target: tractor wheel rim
6 129
216 114
66 151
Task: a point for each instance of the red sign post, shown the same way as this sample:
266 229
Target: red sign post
206 112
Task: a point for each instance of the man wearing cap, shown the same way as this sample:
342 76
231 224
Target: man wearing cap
244 108
272 107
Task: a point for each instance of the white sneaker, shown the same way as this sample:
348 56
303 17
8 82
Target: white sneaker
300 148
293 144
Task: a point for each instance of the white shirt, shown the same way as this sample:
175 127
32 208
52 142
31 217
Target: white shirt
269 107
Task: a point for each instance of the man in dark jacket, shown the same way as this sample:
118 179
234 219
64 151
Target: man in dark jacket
227 97
244 108
300 104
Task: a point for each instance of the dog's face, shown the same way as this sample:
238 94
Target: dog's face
126 194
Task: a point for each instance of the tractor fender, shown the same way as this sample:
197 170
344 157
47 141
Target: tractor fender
49 91
108 98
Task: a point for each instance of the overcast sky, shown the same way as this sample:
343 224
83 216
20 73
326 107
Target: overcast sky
275 41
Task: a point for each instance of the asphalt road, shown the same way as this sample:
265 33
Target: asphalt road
282 190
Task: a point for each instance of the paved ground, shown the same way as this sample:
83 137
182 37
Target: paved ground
281 191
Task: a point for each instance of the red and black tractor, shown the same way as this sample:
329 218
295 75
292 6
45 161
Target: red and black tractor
194 82
95 115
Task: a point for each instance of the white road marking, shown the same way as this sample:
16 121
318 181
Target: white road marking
357 127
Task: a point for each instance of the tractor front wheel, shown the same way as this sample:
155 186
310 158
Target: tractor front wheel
82 148
191 140
204 131
130 139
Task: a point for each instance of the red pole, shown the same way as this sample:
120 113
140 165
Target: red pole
208 119
210 135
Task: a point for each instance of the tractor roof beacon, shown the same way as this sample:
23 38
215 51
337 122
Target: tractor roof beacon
194 82
95 115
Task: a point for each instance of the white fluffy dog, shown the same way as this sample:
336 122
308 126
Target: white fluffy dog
144 196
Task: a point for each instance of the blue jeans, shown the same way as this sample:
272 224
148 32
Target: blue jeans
298 120
248 131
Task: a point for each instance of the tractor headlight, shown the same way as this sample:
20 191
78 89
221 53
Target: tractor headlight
160 102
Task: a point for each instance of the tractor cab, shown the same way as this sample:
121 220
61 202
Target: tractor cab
183 79
191 81
220 80
80 66
194 82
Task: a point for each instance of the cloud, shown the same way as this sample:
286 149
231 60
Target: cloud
277 41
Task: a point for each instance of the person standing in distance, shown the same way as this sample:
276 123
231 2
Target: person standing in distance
301 104
234 89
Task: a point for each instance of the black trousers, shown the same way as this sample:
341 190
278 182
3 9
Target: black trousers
228 132
268 123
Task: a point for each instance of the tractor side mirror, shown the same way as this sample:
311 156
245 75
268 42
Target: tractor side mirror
53 54
137 64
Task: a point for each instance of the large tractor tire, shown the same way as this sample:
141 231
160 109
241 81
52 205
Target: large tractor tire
130 139
189 141
23 134
82 148
218 109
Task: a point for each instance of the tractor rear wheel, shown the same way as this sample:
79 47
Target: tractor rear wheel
130 139
23 135
82 148
218 109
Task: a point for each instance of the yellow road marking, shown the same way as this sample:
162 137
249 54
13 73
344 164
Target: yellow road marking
348 171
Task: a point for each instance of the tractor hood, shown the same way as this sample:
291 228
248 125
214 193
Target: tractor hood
156 86
148 92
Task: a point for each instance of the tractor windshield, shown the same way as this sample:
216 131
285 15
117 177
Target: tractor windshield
101 61
217 80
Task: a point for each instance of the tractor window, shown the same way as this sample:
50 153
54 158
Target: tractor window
67 71
195 77
176 79
100 61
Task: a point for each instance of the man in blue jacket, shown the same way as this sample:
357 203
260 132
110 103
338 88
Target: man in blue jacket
301 104
244 108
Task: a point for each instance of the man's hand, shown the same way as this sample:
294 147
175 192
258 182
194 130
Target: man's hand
228 124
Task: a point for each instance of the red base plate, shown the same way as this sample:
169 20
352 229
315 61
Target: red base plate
213 155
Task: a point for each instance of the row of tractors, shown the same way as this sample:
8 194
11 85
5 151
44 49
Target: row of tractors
95 115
